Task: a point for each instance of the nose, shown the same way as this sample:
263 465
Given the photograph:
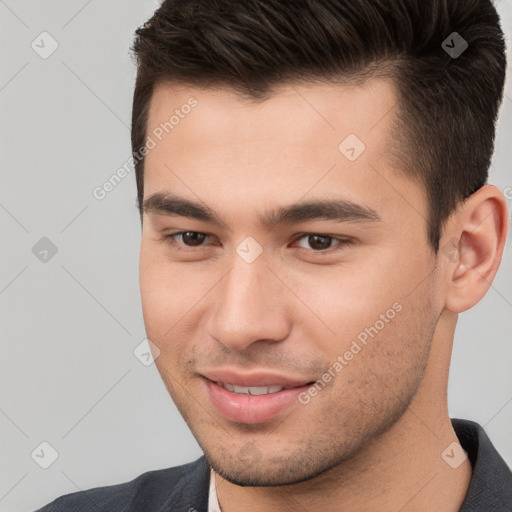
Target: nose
250 306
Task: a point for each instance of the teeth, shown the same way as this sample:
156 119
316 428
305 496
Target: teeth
251 390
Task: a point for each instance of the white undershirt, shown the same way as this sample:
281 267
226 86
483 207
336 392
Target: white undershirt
213 502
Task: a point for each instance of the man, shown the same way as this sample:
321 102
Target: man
312 183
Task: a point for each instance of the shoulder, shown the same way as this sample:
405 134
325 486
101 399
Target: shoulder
148 491
491 482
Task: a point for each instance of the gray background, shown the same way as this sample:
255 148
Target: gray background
68 375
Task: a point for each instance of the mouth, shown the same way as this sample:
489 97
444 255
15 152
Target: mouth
253 390
256 398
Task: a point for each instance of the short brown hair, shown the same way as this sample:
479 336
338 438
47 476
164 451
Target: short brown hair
448 103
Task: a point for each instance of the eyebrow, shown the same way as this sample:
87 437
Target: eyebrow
341 210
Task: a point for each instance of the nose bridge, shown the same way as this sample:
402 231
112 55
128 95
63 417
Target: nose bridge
245 306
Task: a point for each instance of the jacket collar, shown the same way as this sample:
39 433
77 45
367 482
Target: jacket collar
491 482
191 492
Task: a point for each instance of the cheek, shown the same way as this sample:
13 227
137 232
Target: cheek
159 292
344 301
359 302
170 293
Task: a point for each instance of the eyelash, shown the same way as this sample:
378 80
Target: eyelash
343 242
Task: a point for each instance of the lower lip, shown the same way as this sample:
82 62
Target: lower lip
252 408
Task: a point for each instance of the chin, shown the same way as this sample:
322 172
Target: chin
261 471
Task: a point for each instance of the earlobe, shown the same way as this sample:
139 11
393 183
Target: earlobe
478 233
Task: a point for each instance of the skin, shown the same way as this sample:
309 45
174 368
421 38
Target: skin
372 439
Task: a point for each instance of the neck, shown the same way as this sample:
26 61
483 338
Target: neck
402 469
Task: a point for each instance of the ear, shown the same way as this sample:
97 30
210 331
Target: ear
473 243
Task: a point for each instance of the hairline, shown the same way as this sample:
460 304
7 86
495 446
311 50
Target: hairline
399 139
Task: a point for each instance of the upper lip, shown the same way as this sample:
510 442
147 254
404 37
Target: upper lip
255 378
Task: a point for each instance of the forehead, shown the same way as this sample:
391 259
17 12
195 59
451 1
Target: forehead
309 139
290 113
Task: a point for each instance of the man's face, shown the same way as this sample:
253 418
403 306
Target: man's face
256 304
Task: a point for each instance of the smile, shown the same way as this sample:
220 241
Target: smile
252 404
252 390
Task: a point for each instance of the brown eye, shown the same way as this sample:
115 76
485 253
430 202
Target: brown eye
187 238
192 238
316 243
319 242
